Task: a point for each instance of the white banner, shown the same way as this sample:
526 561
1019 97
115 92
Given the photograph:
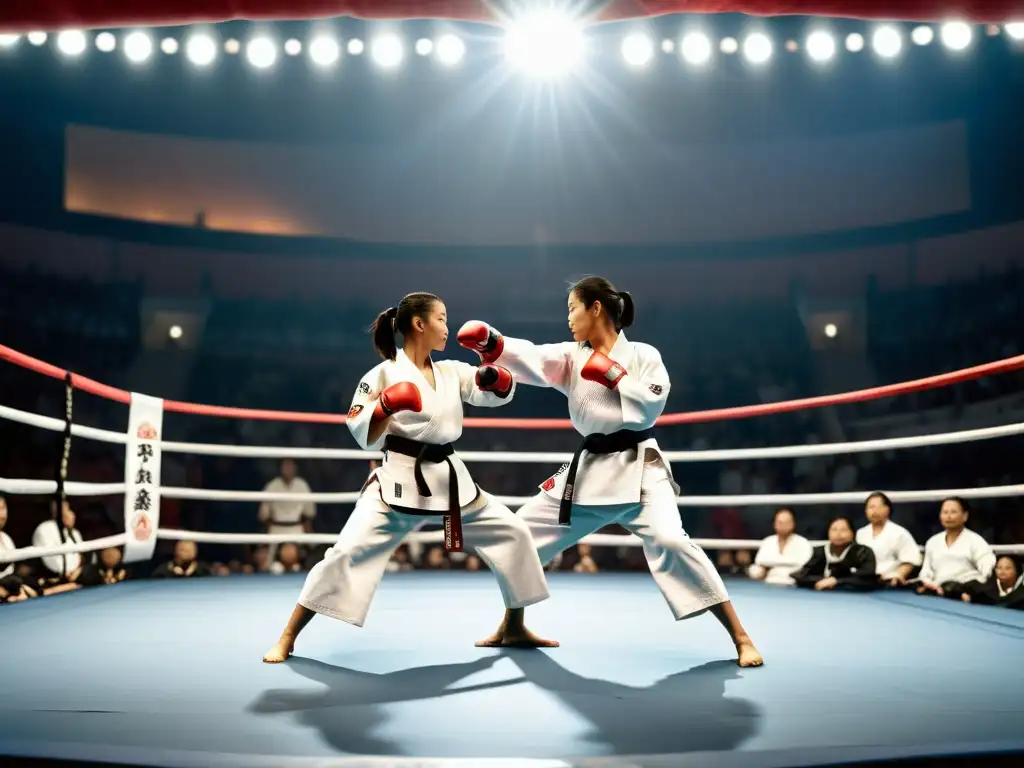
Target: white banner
142 477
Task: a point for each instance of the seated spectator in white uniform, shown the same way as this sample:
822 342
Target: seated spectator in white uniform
1005 588
897 555
6 543
842 564
957 560
59 573
783 554
289 560
287 516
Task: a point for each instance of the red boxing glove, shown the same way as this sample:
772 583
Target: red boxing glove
603 370
403 396
494 378
482 339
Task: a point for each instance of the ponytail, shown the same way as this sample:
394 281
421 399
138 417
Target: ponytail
628 309
383 330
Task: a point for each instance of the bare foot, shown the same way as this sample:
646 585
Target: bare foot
281 651
516 638
748 655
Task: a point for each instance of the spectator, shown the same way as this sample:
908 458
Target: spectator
399 560
842 564
1005 588
896 553
287 516
109 569
782 554
59 572
6 543
957 560
288 560
184 565
586 563
437 560
472 563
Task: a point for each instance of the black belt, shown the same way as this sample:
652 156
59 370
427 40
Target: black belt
435 454
616 442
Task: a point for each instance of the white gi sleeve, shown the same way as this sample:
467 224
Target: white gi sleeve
907 553
763 556
927 573
360 412
472 394
538 365
644 393
983 557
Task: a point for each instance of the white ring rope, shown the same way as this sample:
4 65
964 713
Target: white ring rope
527 457
422 537
49 487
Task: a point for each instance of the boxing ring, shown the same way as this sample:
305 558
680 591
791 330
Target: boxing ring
168 673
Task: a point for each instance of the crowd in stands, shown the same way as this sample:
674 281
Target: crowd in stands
289 356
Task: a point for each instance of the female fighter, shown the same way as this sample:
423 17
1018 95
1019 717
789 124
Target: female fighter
616 390
412 407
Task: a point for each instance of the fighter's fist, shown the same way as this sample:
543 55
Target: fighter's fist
403 396
482 339
494 378
603 370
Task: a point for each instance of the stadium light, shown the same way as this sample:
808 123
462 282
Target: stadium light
695 48
261 52
36 38
1015 30
922 35
821 46
424 46
105 42
545 45
201 50
450 50
292 46
855 42
71 42
757 48
730 45
324 50
138 47
387 51
8 41
956 35
355 47
887 42
169 46
637 50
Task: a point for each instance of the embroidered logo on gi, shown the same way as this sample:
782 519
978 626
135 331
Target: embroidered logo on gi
656 389
364 388
398 491
549 484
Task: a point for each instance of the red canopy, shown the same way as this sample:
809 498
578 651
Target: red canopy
24 15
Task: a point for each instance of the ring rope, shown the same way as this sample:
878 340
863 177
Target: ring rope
692 417
420 537
530 457
45 487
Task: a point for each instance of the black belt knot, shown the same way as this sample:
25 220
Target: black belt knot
434 454
615 442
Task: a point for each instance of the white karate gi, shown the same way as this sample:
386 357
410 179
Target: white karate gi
632 488
778 563
893 546
48 534
969 558
6 543
342 585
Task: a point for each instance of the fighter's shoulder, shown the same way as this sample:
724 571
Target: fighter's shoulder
646 351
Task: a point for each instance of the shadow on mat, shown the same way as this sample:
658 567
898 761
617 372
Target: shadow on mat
353 729
684 712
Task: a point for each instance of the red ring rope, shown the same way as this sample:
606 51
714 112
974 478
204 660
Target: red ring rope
26 15
692 417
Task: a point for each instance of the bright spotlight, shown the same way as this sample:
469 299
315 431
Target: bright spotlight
922 35
106 42
356 47
695 48
387 51
1015 30
956 35
169 46
232 46
36 38
450 50
138 47
324 51
424 46
821 46
261 52
831 330
292 47
175 332
545 45
8 41
855 42
71 42
729 45
637 50
667 46
887 42
757 48
201 50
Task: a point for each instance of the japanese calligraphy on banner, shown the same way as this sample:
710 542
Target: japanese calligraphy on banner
142 477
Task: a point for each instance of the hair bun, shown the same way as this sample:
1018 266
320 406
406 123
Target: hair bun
392 312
